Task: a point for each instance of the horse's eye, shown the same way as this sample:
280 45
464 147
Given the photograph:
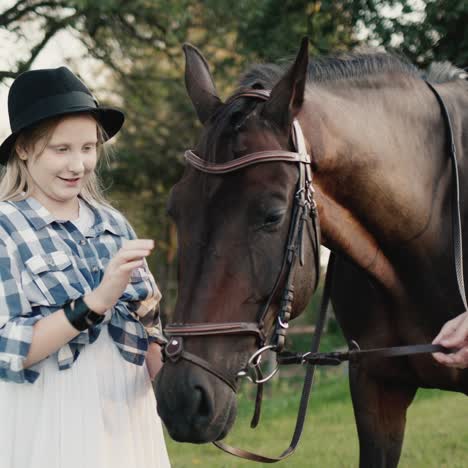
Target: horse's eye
272 220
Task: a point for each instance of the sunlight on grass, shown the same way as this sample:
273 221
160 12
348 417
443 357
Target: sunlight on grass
436 436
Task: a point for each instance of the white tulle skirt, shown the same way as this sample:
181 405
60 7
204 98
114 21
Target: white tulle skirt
101 413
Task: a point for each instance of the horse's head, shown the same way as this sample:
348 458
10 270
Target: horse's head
235 221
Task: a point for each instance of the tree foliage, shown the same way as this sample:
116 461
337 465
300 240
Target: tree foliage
139 41
426 30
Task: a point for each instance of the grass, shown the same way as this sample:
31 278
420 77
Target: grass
436 434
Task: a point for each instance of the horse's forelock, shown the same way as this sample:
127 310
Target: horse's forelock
220 136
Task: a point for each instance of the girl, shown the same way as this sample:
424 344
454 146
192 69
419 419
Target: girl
77 302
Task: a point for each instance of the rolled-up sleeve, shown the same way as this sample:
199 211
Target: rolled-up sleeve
143 286
16 323
153 327
142 297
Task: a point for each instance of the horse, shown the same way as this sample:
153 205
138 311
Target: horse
382 182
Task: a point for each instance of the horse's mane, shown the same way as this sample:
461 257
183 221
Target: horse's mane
321 70
351 66
441 72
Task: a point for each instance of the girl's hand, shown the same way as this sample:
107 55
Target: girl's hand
454 334
117 274
153 359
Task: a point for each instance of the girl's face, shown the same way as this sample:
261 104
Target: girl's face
61 171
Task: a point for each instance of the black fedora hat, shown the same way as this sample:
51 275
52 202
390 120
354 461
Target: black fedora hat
37 95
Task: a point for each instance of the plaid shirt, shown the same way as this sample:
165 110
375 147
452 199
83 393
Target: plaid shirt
45 262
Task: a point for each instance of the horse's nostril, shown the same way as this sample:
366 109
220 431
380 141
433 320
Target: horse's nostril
194 406
204 411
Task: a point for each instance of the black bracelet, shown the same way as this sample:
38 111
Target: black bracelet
80 315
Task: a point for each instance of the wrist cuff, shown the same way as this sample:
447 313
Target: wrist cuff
80 316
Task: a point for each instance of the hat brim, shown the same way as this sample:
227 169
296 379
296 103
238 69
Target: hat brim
110 119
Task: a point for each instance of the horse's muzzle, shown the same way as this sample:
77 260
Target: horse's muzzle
194 405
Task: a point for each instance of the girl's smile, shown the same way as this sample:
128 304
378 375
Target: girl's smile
71 181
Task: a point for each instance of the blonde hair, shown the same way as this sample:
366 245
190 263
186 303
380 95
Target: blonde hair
15 180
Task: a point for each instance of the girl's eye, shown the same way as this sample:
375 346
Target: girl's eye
62 149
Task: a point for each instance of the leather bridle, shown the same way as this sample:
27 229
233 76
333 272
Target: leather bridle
304 217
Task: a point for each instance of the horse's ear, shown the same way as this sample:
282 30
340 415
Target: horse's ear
287 95
199 83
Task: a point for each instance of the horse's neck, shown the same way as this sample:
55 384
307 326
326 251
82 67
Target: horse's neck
381 171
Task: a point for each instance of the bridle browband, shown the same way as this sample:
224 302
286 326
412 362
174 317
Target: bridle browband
304 210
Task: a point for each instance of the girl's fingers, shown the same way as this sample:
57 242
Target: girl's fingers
129 255
147 244
128 267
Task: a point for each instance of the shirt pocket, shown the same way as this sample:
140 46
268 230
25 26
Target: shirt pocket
51 279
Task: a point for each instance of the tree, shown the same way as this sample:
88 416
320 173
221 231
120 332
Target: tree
139 41
107 28
432 30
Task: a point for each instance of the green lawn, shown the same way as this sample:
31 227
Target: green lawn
436 435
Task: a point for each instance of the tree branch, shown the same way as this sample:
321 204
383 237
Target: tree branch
7 74
11 10
130 28
15 13
53 28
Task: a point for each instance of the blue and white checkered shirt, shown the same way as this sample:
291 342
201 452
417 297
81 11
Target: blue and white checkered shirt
45 262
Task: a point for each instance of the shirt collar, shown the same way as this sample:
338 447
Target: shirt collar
40 217
104 221
34 212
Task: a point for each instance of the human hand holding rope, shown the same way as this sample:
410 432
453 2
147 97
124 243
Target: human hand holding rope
454 334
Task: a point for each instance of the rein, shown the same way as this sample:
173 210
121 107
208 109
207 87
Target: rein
304 217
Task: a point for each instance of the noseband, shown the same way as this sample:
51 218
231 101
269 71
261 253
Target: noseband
304 217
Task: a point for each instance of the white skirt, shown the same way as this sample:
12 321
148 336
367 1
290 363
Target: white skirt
101 413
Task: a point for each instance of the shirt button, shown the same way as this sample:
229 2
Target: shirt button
95 269
83 242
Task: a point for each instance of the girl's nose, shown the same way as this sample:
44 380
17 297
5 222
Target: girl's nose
75 163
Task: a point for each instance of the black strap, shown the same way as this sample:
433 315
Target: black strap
335 358
209 368
456 217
